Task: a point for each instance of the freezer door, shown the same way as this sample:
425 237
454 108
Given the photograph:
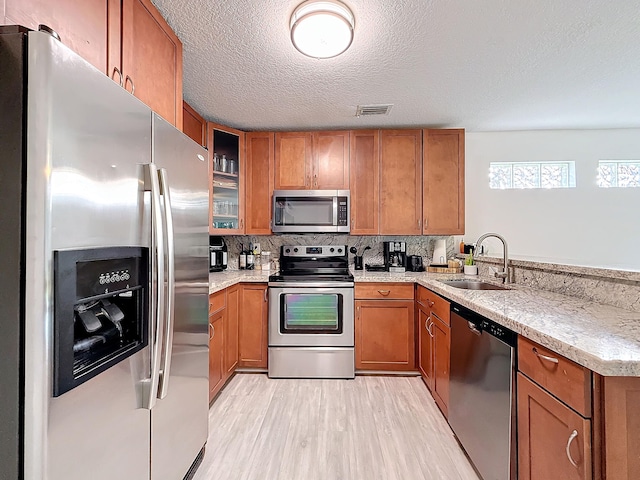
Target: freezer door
87 139
179 420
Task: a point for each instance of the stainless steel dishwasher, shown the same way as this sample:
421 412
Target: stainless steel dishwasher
482 383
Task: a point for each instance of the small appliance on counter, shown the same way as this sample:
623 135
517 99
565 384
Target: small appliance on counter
395 256
217 254
414 263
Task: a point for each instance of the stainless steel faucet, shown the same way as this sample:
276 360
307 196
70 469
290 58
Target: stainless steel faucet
504 275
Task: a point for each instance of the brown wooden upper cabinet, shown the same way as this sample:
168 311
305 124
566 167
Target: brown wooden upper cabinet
259 182
443 182
82 26
193 125
364 161
401 182
126 39
151 59
226 179
312 160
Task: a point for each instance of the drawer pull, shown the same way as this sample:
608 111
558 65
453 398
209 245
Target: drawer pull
384 292
544 357
430 303
211 306
212 332
572 437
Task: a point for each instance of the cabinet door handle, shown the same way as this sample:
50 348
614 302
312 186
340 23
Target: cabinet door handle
572 437
117 70
241 223
315 180
419 223
266 292
384 293
429 327
425 223
544 357
212 332
307 181
133 85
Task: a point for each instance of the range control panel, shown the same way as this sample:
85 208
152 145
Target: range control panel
314 251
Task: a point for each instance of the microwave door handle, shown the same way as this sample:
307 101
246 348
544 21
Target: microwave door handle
157 286
165 369
335 210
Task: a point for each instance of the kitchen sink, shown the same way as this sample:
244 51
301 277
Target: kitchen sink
473 285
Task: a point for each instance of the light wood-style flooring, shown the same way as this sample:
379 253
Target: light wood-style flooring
370 428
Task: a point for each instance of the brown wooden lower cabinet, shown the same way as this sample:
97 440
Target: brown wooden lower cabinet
434 344
425 346
441 362
553 440
621 428
216 353
385 335
253 325
231 330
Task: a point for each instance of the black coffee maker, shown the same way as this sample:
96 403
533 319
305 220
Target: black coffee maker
217 254
395 256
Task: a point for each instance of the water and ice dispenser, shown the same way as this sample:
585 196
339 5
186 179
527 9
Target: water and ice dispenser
101 311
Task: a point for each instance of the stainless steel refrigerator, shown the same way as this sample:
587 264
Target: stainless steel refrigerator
104 284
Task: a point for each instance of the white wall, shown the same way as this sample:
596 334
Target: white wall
586 225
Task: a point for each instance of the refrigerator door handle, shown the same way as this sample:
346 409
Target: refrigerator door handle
157 313
171 285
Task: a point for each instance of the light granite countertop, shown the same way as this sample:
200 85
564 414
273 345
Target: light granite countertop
602 338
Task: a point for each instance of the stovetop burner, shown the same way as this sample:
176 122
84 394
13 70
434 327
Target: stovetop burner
313 264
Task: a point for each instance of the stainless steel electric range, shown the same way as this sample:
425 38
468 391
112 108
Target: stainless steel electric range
311 314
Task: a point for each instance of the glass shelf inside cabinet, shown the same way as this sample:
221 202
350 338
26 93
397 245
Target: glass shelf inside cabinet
225 163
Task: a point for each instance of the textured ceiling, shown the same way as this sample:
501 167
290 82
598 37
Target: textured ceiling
482 65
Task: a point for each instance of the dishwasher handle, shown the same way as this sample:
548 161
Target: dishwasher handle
474 328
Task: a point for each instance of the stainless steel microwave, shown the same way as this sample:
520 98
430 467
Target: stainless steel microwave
311 211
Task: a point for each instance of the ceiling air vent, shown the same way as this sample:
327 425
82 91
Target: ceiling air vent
367 110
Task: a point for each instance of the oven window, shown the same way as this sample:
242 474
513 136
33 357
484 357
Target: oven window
311 313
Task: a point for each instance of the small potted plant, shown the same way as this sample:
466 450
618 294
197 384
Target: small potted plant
470 267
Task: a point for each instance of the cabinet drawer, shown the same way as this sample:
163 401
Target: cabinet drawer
390 291
217 301
563 378
434 303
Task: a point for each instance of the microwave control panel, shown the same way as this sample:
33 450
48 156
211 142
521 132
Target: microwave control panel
343 215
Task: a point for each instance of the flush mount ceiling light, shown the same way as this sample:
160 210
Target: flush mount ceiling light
322 28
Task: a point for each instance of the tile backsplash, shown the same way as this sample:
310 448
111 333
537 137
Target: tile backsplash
416 245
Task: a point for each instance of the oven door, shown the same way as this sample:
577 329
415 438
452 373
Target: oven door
311 316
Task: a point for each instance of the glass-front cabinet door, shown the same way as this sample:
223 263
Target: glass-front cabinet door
226 180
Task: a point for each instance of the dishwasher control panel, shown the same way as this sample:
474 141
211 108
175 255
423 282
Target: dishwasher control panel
485 325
